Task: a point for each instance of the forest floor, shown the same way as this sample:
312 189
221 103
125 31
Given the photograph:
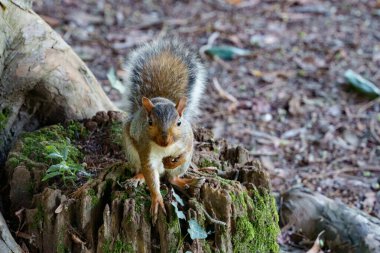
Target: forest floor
287 101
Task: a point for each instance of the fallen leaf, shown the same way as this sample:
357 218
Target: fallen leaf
263 40
256 73
179 213
361 84
177 198
267 163
114 81
59 209
227 52
196 231
233 2
318 243
295 107
369 201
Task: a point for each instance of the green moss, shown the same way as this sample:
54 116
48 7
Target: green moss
4 114
35 144
257 229
117 247
93 196
32 187
174 229
76 130
13 162
142 200
38 218
117 132
61 244
245 235
61 248
164 192
208 163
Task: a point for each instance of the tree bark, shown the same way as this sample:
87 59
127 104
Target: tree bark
347 230
42 81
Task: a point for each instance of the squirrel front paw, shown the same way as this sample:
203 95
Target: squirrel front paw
135 181
171 162
156 201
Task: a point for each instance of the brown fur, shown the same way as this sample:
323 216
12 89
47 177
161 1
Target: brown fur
173 162
180 106
155 134
148 105
165 75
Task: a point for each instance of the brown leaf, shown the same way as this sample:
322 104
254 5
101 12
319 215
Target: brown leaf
317 245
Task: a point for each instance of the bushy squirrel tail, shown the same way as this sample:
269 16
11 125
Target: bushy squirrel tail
164 68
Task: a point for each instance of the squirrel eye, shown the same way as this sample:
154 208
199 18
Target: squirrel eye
150 121
179 122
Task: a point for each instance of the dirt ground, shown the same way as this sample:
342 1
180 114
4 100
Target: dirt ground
287 101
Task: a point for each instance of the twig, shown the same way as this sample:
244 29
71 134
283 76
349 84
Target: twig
212 219
264 153
225 95
212 38
337 172
368 105
338 160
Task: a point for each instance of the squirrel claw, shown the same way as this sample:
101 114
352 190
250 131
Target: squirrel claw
156 201
135 181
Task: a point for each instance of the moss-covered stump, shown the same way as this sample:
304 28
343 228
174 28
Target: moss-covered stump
97 210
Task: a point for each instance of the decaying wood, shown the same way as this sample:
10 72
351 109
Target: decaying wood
347 230
42 81
107 213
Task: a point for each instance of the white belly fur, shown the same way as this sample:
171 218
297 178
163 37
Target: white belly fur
157 153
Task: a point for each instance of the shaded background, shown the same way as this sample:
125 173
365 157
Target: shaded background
294 111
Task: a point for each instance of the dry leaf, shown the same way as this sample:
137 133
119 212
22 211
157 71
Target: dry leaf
59 208
317 245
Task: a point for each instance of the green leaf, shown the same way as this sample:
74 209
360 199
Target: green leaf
177 198
227 52
55 155
65 153
361 84
179 213
114 81
50 175
196 231
51 149
55 167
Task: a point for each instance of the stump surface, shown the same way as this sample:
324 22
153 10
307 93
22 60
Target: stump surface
104 213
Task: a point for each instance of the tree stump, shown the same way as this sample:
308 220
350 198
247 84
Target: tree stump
231 208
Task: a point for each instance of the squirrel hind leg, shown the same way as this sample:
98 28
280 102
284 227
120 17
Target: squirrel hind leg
183 183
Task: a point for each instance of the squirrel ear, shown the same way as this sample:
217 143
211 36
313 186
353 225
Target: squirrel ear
148 105
180 106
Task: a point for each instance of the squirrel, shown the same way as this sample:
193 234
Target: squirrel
164 84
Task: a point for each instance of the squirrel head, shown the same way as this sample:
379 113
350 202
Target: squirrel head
164 120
